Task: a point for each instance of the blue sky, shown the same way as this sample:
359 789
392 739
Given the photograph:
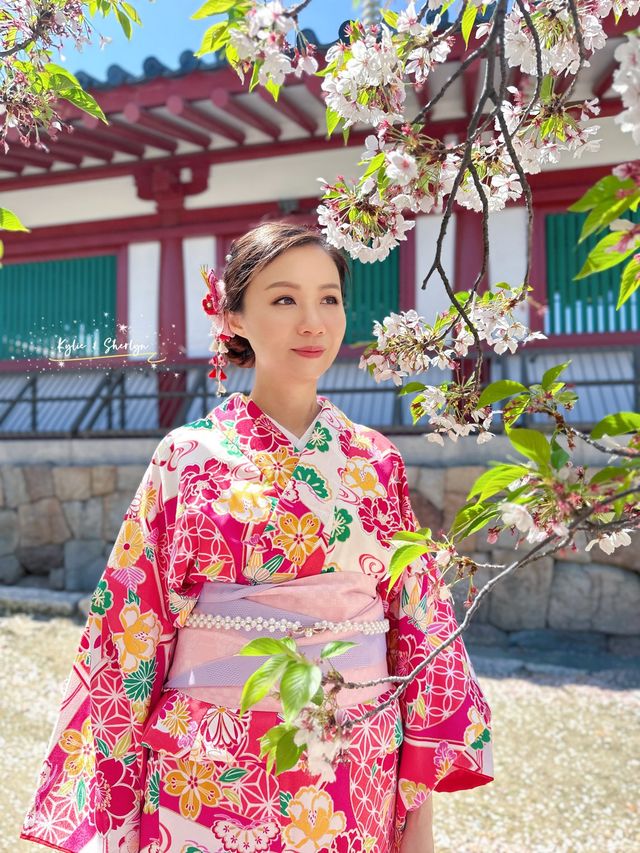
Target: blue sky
167 30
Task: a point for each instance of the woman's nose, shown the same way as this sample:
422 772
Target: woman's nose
311 320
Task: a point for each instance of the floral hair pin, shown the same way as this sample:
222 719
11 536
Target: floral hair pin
220 332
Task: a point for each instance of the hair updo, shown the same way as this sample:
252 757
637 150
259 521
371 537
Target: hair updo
251 253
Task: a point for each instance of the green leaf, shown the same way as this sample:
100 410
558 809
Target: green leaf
287 752
495 480
333 119
468 20
261 681
604 190
264 646
297 685
630 280
608 474
532 444
390 17
81 794
411 387
410 536
212 40
124 22
602 256
550 376
272 88
10 222
131 12
546 88
559 456
472 518
335 647
404 555
618 424
83 100
213 7
603 214
499 390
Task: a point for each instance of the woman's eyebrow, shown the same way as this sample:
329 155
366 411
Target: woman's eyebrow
297 286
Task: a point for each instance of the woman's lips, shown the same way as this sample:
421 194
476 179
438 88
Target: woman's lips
310 353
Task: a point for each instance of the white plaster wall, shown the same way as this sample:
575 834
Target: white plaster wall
197 251
84 201
507 250
433 298
144 282
265 179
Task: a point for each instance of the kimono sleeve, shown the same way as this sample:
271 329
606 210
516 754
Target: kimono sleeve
91 784
446 720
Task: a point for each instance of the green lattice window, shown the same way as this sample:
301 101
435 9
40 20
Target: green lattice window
43 302
587 305
372 292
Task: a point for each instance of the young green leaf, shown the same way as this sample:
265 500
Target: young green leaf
495 480
559 456
335 647
261 681
499 390
618 424
550 375
333 118
532 444
297 685
213 7
213 39
630 280
10 222
264 646
604 255
287 752
468 20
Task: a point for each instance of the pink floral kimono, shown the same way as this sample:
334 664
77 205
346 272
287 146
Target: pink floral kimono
148 754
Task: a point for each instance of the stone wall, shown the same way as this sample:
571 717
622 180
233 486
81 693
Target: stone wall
58 523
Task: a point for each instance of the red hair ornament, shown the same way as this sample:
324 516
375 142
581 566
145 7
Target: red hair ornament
220 332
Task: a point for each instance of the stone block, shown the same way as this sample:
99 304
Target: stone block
430 484
413 472
594 597
40 559
42 523
624 646
83 563
39 481
547 639
114 507
72 482
103 479
10 569
460 479
427 514
57 578
2 501
34 600
129 478
14 485
8 531
84 517
480 634
521 600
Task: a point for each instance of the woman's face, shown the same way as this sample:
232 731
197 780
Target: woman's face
294 303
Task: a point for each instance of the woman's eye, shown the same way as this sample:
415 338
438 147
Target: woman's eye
334 298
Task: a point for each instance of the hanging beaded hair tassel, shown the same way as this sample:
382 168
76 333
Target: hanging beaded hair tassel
213 304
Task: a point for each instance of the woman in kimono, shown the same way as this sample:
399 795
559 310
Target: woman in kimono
272 516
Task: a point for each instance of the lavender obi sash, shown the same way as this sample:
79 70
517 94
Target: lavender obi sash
205 664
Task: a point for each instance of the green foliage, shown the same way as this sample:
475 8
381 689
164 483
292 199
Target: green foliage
532 444
617 424
468 20
10 222
499 390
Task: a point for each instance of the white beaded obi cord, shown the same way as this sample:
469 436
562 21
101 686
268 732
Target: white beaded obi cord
315 610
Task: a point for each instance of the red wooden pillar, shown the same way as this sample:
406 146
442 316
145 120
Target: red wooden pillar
467 265
172 330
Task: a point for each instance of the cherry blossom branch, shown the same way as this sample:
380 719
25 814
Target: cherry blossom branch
626 452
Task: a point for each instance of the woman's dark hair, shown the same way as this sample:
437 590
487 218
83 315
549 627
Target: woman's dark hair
251 253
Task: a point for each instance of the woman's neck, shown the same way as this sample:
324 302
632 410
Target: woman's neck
294 408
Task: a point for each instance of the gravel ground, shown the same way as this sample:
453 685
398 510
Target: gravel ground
566 749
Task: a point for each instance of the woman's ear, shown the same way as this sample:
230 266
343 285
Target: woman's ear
234 319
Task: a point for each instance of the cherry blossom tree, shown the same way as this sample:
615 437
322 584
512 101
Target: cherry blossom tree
546 499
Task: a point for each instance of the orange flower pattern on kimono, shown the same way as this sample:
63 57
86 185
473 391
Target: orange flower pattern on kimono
135 765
